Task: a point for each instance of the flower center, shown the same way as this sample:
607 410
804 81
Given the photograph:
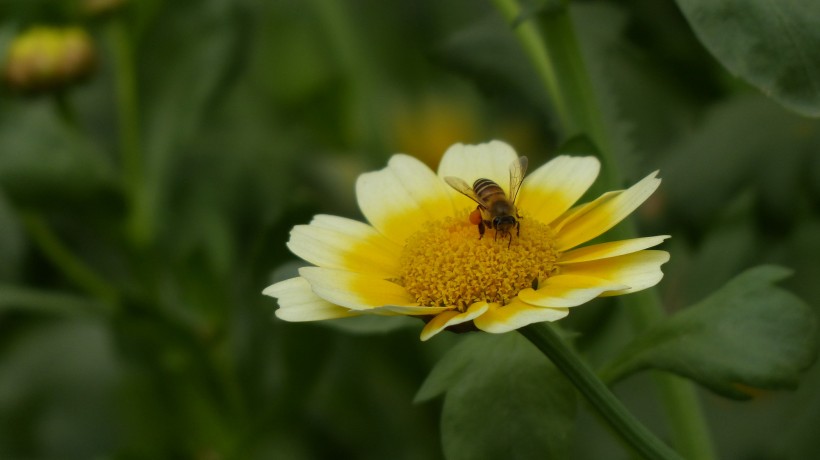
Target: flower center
446 264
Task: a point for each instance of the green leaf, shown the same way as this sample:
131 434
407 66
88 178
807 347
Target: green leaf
772 44
35 300
46 163
747 334
722 157
487 53
12 241
503 399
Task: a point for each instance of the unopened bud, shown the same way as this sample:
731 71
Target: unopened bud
49 58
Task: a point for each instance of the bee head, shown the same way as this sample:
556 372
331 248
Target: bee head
504 223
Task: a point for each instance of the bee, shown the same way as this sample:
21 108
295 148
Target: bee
494 209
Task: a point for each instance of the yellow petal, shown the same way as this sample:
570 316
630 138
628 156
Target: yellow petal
568 291
345 244
581 209
354 290
451 318
611 249
514 315
601 218
401 198
470 162
297 302
638 270
554 187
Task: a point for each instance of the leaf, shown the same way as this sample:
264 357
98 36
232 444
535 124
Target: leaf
503 399
46 163
487 52
747 334
706 170
187 62
35 300
12 241
772 44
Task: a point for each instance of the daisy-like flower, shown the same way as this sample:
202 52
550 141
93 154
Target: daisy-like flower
420 255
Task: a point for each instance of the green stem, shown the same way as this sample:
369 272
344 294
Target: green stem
554 50
543 336
72 267
129 129
65 109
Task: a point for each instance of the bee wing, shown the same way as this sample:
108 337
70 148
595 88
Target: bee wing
462 187
518 169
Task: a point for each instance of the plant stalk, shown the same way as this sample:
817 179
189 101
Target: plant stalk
553 49
631 431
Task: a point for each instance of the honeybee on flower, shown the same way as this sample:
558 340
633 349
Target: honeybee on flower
419 256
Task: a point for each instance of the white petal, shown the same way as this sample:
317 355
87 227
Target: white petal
514 315
451 318
601 218
568 291
345 244
470 162
552 189
354 290
403 197
638 270
297 302
611 249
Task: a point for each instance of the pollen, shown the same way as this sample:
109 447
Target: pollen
446 264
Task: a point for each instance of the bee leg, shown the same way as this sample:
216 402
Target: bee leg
517 228
509 242
480 229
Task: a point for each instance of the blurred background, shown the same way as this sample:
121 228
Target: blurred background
155 154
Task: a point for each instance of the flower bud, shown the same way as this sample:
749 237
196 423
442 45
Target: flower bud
49 58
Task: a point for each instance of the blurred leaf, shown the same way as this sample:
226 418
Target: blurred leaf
40 301
11 241
723 156
44 162
187 60
728 248
373 324
533 8
503 399
748 334
772 44
487 52
58 392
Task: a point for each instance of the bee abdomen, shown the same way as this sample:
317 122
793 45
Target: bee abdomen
486 189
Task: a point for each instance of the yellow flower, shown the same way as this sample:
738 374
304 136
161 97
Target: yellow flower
421 256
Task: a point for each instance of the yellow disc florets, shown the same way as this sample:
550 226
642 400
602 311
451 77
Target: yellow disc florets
446 264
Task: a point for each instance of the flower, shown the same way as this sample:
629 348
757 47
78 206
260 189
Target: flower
420 255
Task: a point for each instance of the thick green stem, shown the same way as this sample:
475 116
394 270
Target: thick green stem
554 50
129 130
63 259
543 336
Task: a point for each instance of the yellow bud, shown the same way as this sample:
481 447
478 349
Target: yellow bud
49 58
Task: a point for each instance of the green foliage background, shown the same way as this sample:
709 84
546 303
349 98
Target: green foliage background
248 117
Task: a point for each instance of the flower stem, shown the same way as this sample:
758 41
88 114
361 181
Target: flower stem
554 50
72 267
129 130
543 336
